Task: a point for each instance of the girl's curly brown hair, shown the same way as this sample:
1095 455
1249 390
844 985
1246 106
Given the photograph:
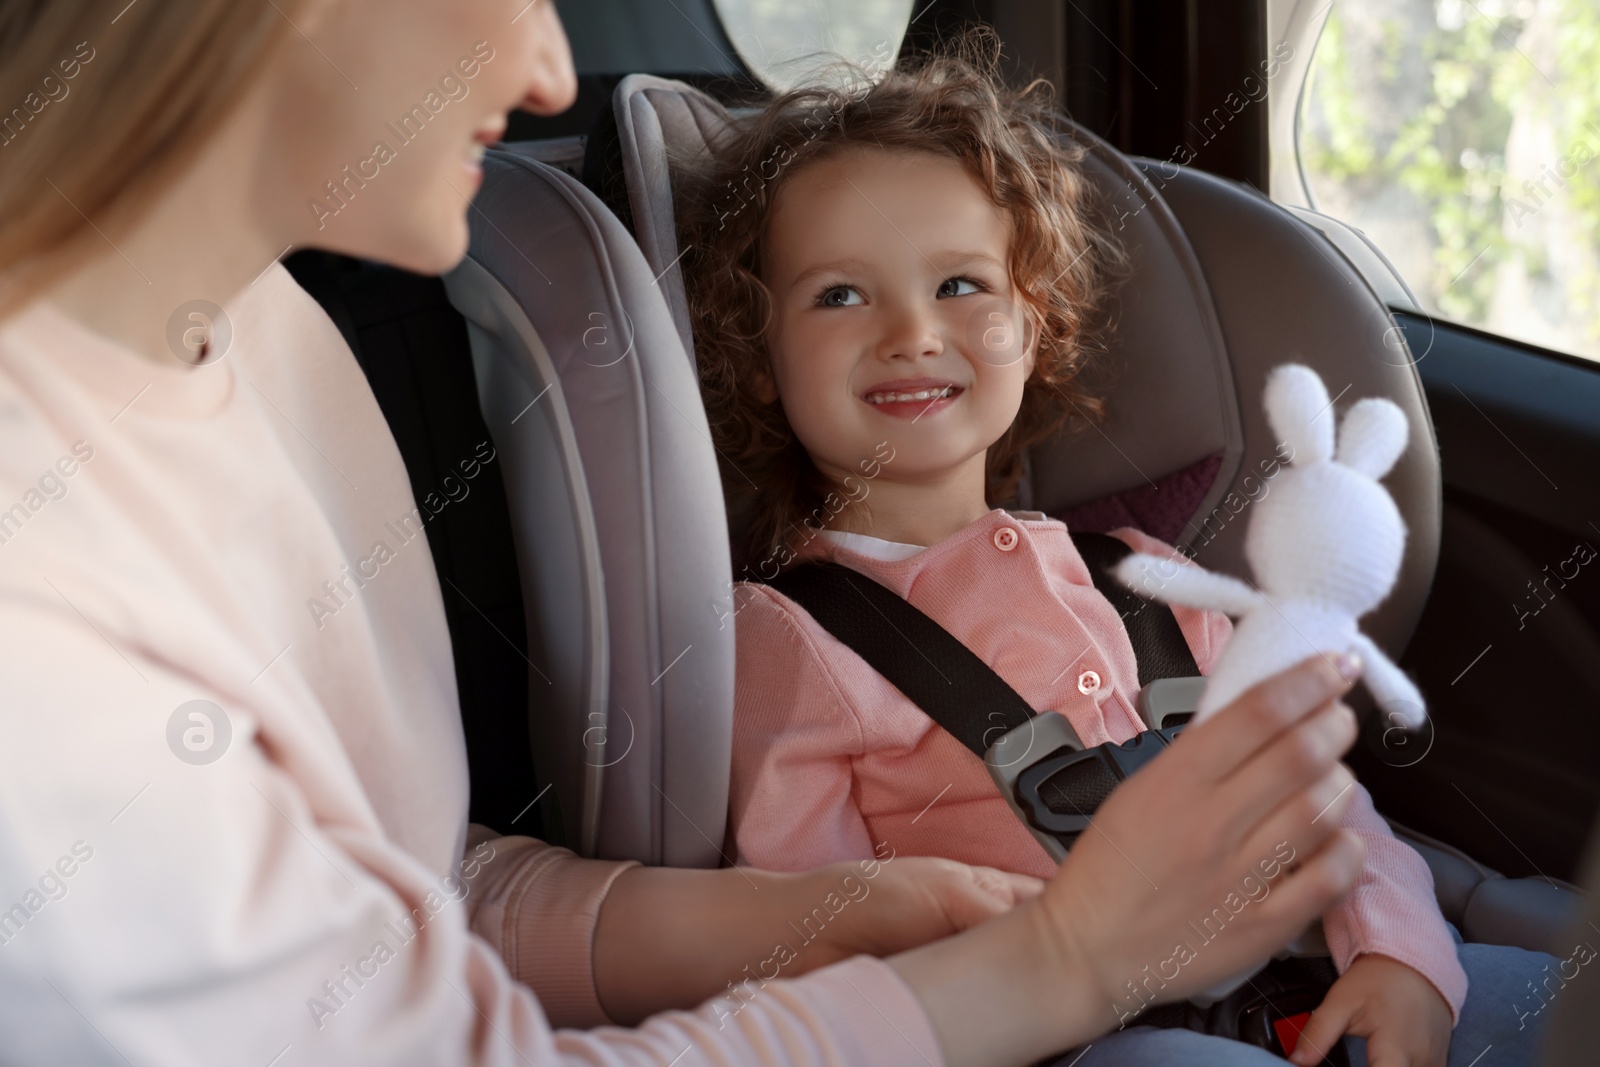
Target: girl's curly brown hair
954 103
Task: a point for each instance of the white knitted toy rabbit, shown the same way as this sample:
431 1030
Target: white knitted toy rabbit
1324 545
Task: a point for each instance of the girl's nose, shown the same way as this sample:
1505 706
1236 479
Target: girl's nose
911 331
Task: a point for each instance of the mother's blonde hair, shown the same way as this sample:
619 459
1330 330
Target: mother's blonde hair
102 104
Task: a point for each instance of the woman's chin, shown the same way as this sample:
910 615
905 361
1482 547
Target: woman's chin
436 252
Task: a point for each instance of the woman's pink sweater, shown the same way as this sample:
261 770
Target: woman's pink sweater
244 535
829 759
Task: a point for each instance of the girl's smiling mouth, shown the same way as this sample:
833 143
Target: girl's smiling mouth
911 398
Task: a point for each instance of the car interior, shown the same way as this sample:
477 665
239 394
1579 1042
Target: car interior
588 589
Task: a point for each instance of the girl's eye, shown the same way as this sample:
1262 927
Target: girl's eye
952 287
838 296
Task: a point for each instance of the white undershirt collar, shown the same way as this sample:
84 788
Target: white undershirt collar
891 551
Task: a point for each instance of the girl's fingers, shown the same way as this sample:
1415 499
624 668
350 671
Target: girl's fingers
1003 888
984 892
1015 887
1384 1052
1326 1028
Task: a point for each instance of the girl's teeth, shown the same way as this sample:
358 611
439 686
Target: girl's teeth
900 398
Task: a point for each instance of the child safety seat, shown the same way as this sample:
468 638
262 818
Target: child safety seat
581 346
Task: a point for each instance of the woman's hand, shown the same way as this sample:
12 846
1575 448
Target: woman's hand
1241 814
674 938
1403 1017
1245 802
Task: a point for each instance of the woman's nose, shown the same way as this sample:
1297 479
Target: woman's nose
554 84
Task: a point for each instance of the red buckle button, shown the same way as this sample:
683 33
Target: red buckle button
1288 1030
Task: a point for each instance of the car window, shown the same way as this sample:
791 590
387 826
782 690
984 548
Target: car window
780 40
1463 138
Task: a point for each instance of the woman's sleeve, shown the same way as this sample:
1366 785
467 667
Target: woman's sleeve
1392 910
1207 632
537 905
791 796
158 907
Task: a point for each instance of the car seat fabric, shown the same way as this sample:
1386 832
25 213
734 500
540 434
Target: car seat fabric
616 506
1185 445
652 113
1285 292
1366 257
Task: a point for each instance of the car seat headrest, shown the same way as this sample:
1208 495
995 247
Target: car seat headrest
651 114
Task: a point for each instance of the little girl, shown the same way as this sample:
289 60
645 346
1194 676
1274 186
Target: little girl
893 294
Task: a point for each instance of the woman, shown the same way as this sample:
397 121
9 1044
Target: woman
233 826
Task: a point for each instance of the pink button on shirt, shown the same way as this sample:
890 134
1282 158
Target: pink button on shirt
829 758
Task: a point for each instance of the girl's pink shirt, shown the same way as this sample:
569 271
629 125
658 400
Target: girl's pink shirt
830 759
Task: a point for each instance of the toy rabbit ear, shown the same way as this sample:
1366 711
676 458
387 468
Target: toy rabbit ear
1299 412
1372 436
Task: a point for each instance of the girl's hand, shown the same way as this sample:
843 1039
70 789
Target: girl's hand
1404 1019
911 901
1198 829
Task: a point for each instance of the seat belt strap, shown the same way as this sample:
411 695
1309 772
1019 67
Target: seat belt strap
943 677
1158 642
1038 763
922 659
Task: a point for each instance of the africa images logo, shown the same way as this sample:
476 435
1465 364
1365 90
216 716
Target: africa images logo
198 732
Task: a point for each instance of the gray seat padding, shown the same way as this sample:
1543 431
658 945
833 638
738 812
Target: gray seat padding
652 113
1284 292
1173 401
617 512
1530 913
1489 908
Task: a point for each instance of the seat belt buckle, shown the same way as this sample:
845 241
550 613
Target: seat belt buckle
1168 702
1054 784
1045 737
